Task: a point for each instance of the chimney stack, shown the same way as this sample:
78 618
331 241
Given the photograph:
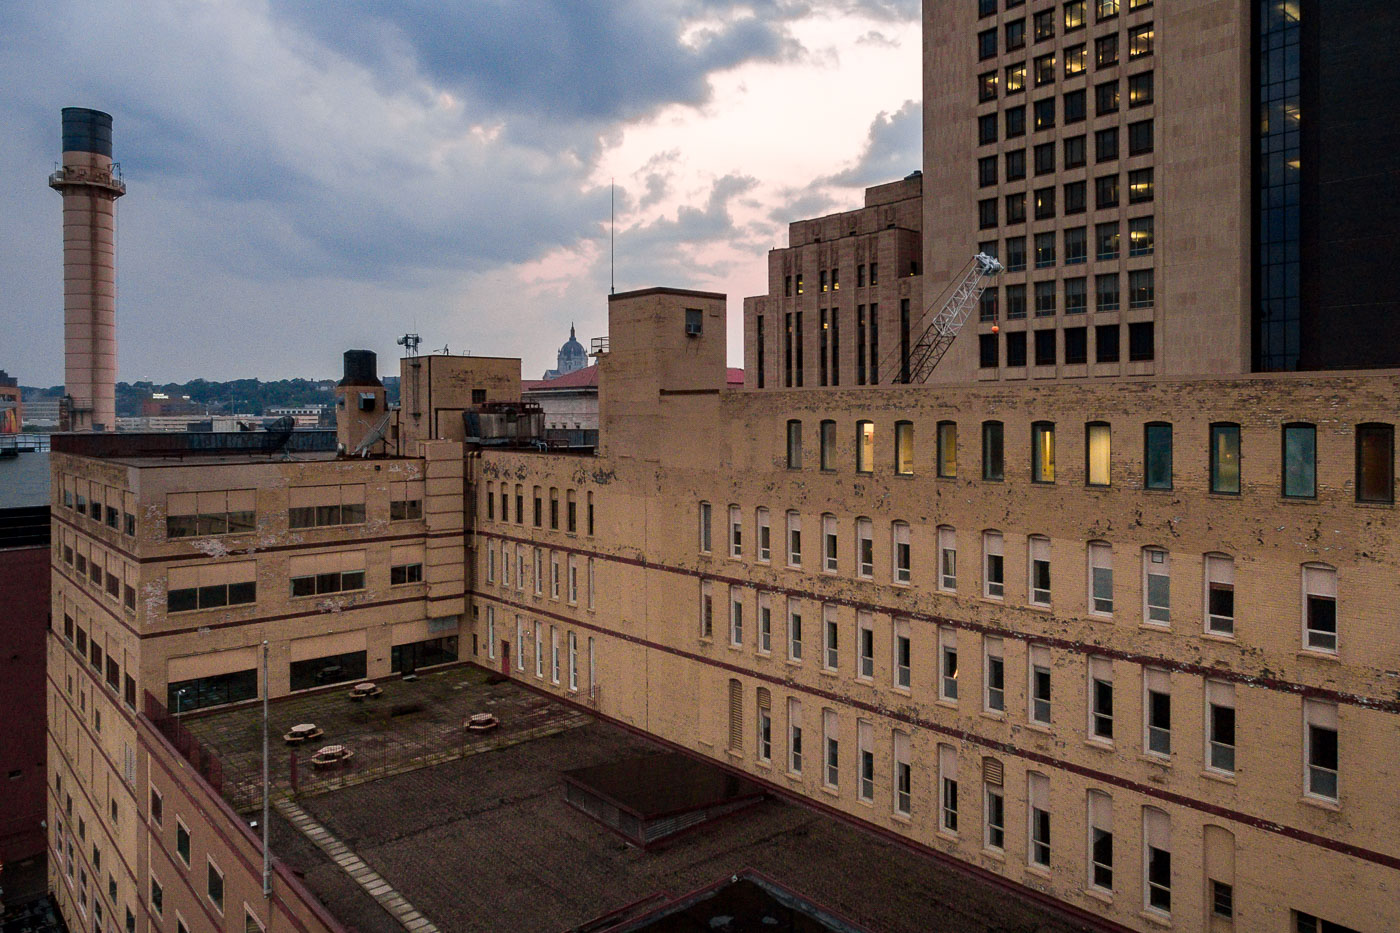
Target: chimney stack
90 184
360 408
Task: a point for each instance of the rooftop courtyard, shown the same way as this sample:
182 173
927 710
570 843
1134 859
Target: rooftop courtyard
473 832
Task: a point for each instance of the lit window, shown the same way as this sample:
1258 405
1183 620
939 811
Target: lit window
1140 186
1015 78
865 447
947 448
1074 15
1140 236
1043 452
1140 89
1139 41
1097 437
1225 458
903 447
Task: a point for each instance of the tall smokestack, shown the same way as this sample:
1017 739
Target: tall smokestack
90 191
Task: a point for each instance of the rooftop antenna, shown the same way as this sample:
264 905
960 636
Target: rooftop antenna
410 344
612 237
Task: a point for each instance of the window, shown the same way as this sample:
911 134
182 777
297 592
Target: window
554 512
904 447
864 548
947 559
987 44
1157 859
1106 240
157 897
182 842
1015 209
1156 587
1141 337
1220 594
1157 455
903 774
988 356
1140 41
1043 451
901 553
1220 726
794 630
1140 186
1101 698
1299 461
987 131
573 661
1044 250
1074 15
1044 307
765 724
987 213
571 513
1015 171
216 887
1222 899
794 538
794 445
865 447
1016 294
1105 342
765 551
994 676
707 609
948 788
831 740
1038 709
1076 338
794 735
1157 712
1097 452
1140 238
1320 608
947 449
1044 203
1015 34
902 654
406 573
993 809
947 664
1106 145
1139 137
1100 578
1106 191
832 658
1106 9
1016 340
1106 94
736 617
736 532
214 585
1140 89
1225 458
993 463
993 571
1038 836
1320 748
826 436
865 645
736 716
1375 463
1076 246
1016 78
865 753
1100 840
986 90
1044 25
1075 107
339 573
705 526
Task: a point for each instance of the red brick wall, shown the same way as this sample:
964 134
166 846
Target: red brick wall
24 615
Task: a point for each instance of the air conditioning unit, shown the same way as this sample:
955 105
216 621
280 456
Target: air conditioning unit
692 329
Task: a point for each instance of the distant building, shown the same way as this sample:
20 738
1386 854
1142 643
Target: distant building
572 357
42 412
160 404
570 402
306 416
11 410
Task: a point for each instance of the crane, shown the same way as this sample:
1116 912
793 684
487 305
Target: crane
915 363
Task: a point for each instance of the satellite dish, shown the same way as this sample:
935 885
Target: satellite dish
410 343
279 433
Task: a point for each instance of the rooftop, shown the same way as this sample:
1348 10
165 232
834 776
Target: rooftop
24 480
481 837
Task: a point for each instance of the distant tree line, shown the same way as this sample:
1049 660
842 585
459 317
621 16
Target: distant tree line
239 396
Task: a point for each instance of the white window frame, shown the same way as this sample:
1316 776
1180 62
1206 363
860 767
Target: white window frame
948 680
1220 571
947 559
901 656
794 631
705 532
1038 552
948 790
1156 562
1037 660
707 609
554 654
795 750
519 644
1156 834
1320 714
902 783
539 650
831 750
765 623
992 649
491 632
1037 800
865 645
993 545
794 539
831 562
865 549
865 761
1320 581
831 639
736 617
1219 694
1100 670
539 571
736 533
901 554
573 662
1154 735
1098 819
764 535
1100 572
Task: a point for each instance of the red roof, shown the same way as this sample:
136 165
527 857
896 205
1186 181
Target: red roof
587 378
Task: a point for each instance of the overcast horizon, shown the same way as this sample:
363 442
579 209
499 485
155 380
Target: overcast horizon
308 178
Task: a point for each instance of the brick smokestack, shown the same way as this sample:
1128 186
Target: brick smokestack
90 189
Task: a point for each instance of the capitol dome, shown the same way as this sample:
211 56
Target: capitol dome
572 357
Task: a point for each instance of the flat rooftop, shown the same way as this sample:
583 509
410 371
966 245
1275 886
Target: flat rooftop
473 831
24 480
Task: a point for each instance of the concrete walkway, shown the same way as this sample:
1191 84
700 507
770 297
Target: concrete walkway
367 878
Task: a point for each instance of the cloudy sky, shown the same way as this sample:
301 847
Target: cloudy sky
306 177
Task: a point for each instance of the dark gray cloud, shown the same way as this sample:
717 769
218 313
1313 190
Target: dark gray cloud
893 149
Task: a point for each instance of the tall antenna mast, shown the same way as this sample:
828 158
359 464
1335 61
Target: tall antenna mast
612 237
